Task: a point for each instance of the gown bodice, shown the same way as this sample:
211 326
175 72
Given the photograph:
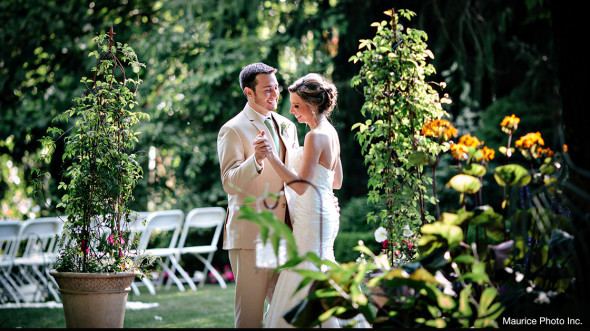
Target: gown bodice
305 216
313 206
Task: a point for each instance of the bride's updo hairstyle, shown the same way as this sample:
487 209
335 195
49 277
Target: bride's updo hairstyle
316 92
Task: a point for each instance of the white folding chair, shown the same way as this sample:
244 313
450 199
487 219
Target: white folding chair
39 242
9 231
203 218
136 228
159 223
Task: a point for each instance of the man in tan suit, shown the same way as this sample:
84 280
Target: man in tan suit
243 174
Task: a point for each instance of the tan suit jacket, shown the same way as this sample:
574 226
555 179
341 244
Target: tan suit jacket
239 176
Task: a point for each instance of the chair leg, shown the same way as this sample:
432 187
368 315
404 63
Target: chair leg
13 284
172 275
45 282
215 273
183 273
26 280
149 285
135 289
9 285
52 285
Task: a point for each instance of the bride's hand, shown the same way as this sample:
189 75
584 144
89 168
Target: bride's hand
262 147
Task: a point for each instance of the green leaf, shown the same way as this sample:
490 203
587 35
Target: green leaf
315 275
511 175
465 183
478 274
452 233
488 312
464 305
466 259
419 158
436 323
474 169
547 169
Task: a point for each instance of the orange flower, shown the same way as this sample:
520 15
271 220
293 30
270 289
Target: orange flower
529 140
564 148
510 124
439 129
459 152
470 141
487 154
546 151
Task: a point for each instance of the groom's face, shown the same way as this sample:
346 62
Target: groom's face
265 96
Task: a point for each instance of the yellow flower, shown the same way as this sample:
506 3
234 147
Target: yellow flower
459 152
510 124
487 154
470 141
529 140
439 129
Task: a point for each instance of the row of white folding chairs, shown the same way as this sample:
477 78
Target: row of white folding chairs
151 224
41 248
27 251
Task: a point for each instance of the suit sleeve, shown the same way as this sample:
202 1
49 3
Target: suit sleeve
237 170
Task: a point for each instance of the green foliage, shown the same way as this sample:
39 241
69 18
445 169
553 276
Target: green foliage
474 264
103 169
345 240
195 51
398 103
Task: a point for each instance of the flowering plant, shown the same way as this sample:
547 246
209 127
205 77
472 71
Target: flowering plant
403 250
103 171
476 265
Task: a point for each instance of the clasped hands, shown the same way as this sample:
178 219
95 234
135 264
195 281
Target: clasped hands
263 147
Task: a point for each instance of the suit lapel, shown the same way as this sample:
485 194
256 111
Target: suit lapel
254 118
284 134
287 141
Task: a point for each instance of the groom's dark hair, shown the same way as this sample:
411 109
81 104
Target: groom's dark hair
249 72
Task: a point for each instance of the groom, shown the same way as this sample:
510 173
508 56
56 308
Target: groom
243 174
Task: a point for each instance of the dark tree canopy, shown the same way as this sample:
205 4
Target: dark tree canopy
497 59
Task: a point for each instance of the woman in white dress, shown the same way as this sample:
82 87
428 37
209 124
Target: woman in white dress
318 161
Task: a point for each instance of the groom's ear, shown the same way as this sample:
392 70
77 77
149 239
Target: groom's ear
248 92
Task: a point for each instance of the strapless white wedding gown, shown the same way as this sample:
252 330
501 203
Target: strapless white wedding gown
305 213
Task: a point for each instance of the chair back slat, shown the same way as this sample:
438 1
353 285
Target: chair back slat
9 231
202 218
162 221
39 237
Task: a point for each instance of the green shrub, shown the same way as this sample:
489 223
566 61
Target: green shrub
345 241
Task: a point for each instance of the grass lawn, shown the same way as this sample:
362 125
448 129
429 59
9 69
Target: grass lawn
209 307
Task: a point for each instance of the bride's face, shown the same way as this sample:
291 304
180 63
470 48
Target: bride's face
300 109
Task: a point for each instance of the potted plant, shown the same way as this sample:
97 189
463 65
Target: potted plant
96 252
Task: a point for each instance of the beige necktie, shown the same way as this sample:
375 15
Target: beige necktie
273 133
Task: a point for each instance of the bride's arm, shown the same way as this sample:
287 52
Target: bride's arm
337 175
311 156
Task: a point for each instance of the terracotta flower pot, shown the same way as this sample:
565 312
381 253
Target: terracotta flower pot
93 300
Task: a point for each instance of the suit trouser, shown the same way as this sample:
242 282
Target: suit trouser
253 286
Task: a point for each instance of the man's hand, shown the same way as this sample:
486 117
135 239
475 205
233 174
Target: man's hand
262 147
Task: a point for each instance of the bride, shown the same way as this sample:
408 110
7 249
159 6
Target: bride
318 161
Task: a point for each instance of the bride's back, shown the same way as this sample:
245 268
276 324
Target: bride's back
330 145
